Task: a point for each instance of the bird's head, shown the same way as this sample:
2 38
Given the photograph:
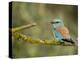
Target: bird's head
57 23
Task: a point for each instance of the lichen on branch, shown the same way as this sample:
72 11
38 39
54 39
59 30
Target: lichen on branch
28 39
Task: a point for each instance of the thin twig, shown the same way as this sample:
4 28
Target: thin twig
22 27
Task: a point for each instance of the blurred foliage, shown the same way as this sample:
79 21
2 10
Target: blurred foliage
42 14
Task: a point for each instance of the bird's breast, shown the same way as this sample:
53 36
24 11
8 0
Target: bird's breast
64 32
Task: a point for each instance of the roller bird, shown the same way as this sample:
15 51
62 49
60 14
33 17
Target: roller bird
61 32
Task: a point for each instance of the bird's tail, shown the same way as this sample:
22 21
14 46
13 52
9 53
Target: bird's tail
69 40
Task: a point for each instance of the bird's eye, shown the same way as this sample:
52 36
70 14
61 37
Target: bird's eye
57 22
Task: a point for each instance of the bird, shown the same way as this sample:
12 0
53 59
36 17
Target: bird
60 31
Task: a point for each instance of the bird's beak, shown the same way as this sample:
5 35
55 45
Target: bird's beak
51 22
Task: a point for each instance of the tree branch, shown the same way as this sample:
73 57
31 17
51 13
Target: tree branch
20 36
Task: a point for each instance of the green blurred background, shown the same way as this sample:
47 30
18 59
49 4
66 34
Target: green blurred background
24 13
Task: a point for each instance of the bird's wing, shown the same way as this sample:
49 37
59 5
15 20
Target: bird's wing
64 31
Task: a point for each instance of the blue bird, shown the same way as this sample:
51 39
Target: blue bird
60 31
